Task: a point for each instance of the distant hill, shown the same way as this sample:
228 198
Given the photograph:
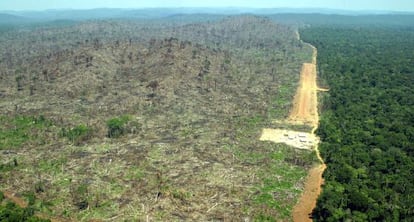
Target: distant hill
11 19
296 17
351 20
151 13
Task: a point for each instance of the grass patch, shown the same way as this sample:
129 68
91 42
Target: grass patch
78 134
134 173
15 131
278 180
52 165
281 102
279 189
5 167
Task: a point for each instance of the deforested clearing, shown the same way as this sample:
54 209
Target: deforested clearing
160 121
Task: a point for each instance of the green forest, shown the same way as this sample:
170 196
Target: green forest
367 122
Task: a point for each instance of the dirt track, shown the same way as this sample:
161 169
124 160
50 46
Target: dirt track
305 104
307 202
305 110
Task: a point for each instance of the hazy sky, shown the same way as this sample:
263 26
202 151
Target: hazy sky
396 5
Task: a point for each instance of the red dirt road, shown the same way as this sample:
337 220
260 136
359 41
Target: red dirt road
307 202
305 103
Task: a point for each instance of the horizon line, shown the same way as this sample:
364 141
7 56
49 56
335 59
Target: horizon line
212 7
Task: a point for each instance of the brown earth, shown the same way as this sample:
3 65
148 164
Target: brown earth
305 103
15 199
307 202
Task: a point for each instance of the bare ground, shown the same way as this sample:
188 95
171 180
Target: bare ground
307 202
305 103
296 139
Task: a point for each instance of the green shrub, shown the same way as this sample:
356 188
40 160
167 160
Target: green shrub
78 134
11 212
80 195
4 167
116 126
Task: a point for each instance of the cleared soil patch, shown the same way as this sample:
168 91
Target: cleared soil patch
187 150
296 139
195 105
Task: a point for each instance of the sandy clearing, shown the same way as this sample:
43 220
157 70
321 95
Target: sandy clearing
296 139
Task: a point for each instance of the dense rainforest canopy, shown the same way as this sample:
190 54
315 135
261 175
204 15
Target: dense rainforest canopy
367 126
